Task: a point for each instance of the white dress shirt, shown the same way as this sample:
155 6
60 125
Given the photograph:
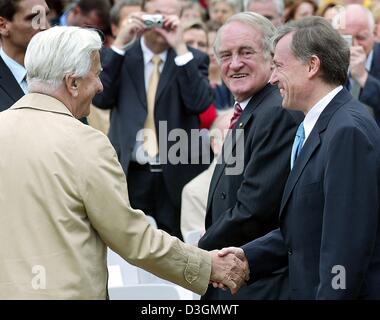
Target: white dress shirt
244 103
312 116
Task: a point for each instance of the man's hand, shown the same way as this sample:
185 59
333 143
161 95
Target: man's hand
173 34
131 28
229 270
358 60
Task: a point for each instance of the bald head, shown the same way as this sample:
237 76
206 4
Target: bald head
357 21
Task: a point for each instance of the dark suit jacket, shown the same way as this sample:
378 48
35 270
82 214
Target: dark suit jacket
242 207
330 210
182 93
10 90
370 94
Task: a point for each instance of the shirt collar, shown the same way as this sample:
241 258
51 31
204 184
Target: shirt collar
369 61
148 54
18 71
314 113
244 103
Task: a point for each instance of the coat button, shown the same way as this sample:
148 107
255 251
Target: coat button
223 195
290 252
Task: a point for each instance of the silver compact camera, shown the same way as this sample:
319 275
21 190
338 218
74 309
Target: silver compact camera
153 20
348 39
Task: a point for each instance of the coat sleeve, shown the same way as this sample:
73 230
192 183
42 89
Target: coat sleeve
266 254
259 196
370 94
194 87
350 215
125 230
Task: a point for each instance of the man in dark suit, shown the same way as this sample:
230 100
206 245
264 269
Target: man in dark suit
19 22
329 219
364 82
155 174
244 201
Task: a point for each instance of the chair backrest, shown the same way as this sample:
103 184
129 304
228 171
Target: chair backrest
144 292
120 272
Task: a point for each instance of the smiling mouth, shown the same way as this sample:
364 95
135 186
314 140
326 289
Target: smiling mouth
239 76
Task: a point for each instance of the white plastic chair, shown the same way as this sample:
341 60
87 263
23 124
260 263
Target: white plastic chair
120 272
145 292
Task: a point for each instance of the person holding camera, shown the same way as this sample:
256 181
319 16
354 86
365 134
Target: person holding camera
152 79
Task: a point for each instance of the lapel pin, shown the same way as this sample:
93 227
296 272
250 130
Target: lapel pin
241 125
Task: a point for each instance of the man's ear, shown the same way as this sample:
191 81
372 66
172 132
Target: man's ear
314 66
4 27
71 84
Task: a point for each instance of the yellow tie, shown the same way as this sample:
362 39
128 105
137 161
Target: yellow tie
150 137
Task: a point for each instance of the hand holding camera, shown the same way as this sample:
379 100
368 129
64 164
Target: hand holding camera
131 28
173 34
139 22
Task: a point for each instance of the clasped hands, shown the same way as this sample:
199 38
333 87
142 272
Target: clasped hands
229 269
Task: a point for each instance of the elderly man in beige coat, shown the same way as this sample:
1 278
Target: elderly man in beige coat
63 193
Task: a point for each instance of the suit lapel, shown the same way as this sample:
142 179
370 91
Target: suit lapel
166 74
9 83
312 143
231 140
135 66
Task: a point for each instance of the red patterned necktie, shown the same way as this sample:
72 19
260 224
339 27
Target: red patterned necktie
237 112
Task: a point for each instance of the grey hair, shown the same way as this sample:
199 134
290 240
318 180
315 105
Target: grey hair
279 4
59 51
315 36
257 22
236 5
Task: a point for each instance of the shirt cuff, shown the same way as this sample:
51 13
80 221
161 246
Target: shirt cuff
118 51
183 59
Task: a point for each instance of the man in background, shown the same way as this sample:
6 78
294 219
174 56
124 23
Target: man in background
273 10
19 22
364 69
155 80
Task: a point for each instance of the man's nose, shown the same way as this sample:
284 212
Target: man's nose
273 78
236 62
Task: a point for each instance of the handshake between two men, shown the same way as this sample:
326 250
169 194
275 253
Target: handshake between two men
229 269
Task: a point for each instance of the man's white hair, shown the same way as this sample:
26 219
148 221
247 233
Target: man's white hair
56 52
